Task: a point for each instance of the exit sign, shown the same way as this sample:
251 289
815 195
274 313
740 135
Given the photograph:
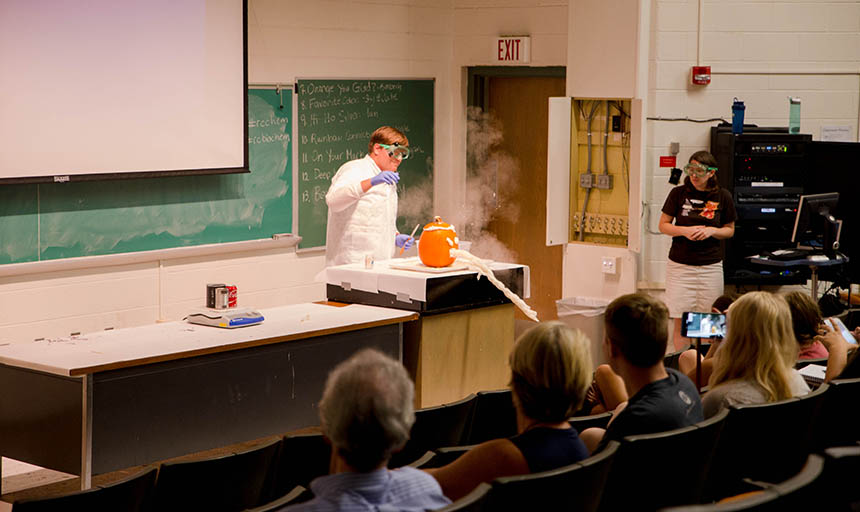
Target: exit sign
512 50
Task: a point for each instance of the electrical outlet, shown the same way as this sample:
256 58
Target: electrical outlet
604 181
616 124
586 180
609 265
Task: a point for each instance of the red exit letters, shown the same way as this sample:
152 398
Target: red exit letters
511 49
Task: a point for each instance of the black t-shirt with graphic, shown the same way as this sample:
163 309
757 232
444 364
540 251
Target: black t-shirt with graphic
691 207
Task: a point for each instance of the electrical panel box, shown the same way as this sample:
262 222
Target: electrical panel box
600 191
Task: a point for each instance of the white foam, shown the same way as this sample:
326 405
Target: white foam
478 265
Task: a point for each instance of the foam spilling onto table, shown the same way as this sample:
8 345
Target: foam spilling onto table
478 265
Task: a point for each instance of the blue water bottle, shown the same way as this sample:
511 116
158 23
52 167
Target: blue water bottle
738 116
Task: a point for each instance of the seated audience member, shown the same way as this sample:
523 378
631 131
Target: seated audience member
608 389
806 322
842 361
637 332
366 413
687 360
550 372
755 363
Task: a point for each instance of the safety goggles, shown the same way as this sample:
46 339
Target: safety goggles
396 150
698 170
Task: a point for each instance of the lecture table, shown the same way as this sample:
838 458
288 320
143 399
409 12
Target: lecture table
461 342
104 401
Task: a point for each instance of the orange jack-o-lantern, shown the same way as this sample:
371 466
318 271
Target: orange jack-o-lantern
437 240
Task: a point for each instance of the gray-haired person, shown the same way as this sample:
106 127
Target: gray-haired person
366 413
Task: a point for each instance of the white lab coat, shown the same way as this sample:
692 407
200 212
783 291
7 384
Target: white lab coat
359 223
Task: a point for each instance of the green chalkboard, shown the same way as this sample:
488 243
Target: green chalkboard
45 222
335 119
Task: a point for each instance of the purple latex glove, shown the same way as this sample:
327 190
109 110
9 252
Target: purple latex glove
404 241
389 177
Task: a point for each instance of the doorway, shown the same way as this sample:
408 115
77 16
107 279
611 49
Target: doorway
515 100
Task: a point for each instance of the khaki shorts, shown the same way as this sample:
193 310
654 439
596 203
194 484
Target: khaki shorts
692 287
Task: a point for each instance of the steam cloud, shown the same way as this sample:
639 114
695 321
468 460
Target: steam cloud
490 177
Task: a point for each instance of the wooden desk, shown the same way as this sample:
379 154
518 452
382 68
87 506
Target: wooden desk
114 399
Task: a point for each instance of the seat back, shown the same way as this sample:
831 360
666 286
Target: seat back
639 474
435 427
298 495
837 423
839 489
132 494
303 457
581 423
575 487
77 500
232 482
494 417
800 492
764 442
475 501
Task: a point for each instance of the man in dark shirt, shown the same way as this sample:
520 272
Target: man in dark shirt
661 399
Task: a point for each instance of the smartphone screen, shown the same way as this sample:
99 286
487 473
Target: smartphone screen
703 325
839 326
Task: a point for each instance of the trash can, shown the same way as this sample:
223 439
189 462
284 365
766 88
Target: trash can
586 314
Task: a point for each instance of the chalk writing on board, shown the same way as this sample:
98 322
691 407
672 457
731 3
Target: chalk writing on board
335 120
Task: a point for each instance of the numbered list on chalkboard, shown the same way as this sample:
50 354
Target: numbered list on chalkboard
335 121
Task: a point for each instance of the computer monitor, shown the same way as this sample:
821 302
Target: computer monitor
815 227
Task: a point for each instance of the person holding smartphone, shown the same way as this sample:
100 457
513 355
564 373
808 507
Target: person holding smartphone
697 215
687 359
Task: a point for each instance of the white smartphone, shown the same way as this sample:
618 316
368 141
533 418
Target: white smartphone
839 326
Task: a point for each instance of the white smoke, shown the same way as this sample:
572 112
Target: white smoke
490 172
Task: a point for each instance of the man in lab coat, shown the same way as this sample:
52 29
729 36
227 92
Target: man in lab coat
362 202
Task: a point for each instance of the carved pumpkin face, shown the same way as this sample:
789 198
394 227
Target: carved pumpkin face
437 239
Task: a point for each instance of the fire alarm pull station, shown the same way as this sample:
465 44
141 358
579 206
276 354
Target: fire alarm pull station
701 75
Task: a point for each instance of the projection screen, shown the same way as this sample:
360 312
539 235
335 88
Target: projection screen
96 89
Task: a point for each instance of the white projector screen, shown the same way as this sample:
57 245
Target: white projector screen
93 89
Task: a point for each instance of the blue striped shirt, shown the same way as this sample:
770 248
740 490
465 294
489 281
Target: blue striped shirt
406 489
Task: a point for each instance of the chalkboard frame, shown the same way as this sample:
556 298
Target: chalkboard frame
297 147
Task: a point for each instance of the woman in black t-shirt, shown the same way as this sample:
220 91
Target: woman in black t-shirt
697 215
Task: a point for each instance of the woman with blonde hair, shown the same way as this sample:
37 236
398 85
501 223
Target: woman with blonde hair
550 373
756 361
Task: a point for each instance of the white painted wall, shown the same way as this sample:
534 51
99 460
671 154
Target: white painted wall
290 40
413 38
761 52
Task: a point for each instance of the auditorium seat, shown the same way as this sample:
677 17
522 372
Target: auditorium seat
575 487
494 417
298 495
644 463
473 502
840 487
130 494
799 492
435 427
763 442
581 423
837 423
232 482
302 458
